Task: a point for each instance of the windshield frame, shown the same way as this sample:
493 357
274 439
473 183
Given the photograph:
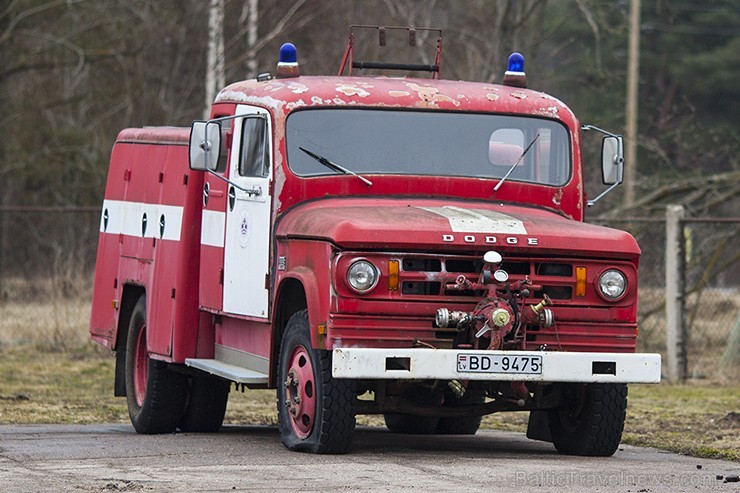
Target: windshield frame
567 169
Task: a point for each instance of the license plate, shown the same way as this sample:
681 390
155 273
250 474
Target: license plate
498 363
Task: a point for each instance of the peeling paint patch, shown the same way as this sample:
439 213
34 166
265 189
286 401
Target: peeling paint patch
492 96
430 96
355 90
275 86
295 104
297 88
557 197
518 95
398 94
551 111
240 97
316 100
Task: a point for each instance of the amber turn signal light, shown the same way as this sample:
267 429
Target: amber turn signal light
581 282
393 275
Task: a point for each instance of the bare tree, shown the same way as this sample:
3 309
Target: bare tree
215 78
249 17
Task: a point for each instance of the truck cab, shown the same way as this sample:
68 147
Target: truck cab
369 244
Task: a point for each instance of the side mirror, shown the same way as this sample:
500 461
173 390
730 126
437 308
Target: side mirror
612 160
205 145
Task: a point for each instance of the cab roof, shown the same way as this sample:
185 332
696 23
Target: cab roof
286 95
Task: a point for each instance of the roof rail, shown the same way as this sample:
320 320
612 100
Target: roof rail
348 59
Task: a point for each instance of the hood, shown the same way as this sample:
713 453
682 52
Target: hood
448 225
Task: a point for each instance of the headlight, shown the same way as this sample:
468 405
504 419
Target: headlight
612 284
362 276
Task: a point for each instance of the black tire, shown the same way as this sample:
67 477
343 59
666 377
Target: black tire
462 425
155 395
411 424
322 421
206 407
591 420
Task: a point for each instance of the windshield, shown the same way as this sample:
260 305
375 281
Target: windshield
368 141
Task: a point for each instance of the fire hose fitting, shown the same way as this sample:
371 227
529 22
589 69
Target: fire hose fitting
500 317
445 318
538 314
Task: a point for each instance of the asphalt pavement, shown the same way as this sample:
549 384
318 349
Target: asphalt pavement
90 458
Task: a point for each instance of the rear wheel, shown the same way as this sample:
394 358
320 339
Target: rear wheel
206 405
315 411
155 395
591 419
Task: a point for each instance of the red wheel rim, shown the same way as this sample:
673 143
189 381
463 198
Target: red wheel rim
300 392
141 366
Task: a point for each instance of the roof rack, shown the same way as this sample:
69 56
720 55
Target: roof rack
349 52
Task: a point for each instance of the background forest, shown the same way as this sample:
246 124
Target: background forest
75 72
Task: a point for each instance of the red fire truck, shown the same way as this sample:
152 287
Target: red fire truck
364 244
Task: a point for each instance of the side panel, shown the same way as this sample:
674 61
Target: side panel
150 236
179 181
106 290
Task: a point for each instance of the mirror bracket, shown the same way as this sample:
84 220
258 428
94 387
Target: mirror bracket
618 161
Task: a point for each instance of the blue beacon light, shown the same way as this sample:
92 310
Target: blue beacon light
516 63
288 62
288 53
514 75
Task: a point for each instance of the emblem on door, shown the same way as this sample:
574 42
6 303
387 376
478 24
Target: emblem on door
244 228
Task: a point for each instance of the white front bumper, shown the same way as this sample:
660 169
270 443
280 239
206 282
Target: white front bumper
442 364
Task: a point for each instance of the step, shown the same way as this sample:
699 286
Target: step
228 371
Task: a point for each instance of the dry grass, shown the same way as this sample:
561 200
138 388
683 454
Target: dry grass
52 325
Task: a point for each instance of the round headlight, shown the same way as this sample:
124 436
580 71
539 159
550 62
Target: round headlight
612 284
362 276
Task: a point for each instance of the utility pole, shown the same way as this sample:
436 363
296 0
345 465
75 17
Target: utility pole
633 75
215 79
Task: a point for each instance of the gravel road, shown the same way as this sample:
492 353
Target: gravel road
57 458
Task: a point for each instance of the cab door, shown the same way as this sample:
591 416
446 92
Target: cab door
248 228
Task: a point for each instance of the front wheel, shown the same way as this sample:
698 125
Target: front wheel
315 411
590 420
155 395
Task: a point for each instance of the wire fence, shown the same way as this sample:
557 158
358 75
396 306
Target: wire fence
711 292
47 260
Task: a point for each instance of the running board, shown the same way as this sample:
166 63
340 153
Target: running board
225 370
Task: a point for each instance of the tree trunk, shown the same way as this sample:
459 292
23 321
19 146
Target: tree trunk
215 64
253 6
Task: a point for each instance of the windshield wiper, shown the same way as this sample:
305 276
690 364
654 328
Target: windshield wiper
335 166
501 181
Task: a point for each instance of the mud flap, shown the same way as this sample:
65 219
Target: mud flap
538 427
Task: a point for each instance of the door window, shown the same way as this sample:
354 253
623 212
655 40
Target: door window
253 162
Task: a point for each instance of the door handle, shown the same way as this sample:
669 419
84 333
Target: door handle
256 191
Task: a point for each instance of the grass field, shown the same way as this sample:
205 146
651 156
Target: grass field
51 373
